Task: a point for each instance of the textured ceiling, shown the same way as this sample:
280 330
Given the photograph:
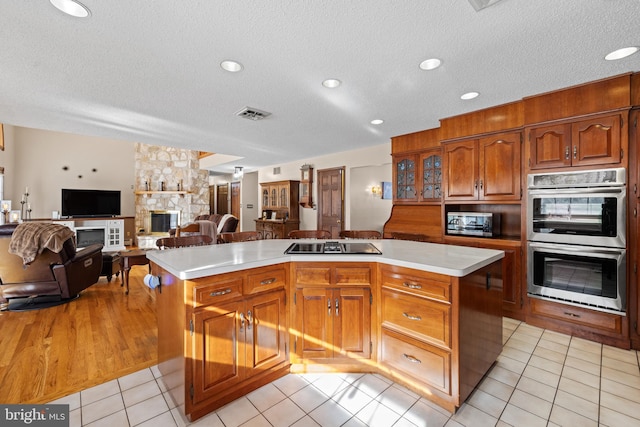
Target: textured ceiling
148 71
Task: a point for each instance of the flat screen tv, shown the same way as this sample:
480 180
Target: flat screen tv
90 203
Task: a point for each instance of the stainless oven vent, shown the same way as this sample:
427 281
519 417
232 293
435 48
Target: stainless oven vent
252 114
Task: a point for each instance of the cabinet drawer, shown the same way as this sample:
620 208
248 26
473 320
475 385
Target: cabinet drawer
223 290
577 315
320 275
417 284
353 276
419 360
425 319
264 280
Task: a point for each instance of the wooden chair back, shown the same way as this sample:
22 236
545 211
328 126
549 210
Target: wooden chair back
183 241
309 234
360 234
411 236
238 236
188 228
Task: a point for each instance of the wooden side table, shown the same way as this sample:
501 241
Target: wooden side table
130 258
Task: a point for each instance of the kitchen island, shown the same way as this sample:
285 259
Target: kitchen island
234 317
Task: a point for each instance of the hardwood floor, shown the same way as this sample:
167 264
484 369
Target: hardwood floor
105 334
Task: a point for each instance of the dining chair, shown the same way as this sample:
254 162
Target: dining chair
183 241
309 234
238 236
360 234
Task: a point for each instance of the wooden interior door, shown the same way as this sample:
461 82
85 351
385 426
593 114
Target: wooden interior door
212 198
331 200
222 202
235 201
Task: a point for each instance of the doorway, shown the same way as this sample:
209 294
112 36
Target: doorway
331 200
235 200
222 199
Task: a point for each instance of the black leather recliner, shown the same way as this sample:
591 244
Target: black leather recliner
63 274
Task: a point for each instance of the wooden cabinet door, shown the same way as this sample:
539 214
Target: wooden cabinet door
405 177
352 322
314 312
218 349
430 169
549 146
265 332
596 141
461 169
499 157
283 196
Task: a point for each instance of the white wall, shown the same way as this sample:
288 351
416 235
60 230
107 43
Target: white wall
39 157
378 155
369 211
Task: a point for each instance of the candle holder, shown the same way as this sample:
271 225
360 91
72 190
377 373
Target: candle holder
23 202
5 208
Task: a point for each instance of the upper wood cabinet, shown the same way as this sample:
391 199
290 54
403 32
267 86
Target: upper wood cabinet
405 171
486 168
594 141
418 176
281 197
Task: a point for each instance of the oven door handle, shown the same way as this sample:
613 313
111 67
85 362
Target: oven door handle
578 191
577 248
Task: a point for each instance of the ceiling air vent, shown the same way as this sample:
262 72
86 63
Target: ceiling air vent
481 4
252 113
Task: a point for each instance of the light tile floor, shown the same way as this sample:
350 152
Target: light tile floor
541 378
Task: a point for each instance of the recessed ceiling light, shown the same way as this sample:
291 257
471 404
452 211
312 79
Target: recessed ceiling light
331 83
469 95
621 53
71 7
377 122
231 66
430 64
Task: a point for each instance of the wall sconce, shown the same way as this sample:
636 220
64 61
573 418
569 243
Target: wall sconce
237 172
376 191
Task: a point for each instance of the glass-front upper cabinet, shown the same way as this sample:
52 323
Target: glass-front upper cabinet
405 178
431 177
265 197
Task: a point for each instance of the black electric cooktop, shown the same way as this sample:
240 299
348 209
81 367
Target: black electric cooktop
333 248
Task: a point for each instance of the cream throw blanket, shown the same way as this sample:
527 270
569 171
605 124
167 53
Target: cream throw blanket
29 239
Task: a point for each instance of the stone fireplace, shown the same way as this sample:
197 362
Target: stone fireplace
168 180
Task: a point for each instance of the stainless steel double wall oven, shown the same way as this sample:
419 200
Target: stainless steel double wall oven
576 238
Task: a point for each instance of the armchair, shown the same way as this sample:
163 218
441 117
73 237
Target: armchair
53 274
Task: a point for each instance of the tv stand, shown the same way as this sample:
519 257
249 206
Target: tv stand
108 231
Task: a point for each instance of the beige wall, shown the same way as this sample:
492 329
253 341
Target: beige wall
36 158
378 155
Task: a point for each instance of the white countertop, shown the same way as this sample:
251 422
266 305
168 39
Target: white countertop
202 261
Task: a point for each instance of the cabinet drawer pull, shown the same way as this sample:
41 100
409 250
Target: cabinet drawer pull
268 281
571 314
575 151
411 358
566 152
218 293
410 317
241 322
249 320
412 285
337 307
